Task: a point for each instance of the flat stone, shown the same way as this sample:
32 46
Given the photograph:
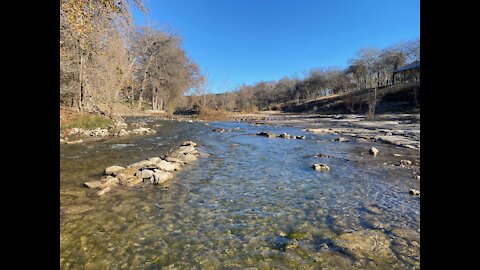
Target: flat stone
366 243
165 166
103 191
185 149
93 184
113 170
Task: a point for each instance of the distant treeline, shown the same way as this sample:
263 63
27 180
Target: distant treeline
369 68
105 60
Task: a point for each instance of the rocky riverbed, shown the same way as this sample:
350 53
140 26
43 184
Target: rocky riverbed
397 129
255 202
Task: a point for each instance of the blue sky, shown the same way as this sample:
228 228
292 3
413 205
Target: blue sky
246 41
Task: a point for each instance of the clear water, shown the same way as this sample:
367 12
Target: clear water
228 211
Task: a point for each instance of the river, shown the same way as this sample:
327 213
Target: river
236 208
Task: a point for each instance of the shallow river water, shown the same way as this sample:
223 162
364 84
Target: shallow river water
241 207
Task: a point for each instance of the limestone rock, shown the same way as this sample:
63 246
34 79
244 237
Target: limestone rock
103 191
165 166
113 170
373 151
415 192
160 177
366 243
320 167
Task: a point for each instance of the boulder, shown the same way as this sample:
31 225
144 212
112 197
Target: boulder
320 167
373 151
160 177
165 166
154 159
144 174
113 170
174 160
142 164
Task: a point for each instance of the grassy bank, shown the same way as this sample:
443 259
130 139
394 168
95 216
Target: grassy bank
69 119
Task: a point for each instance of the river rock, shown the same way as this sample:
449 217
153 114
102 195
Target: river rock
93 184
373 151
320 167
301 137
144 174
361 140
341 139
165 166
142 131
415 192
155 159
267 134
371 244
189 158
113 170
405 162
219 130
185 149
284 135
174 160
320 155
142 164
133 181
417 177
74 142
138 124
187 143
160 177
103 191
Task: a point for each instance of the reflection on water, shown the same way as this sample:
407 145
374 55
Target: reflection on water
254 202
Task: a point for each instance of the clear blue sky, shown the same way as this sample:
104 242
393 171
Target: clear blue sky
246 41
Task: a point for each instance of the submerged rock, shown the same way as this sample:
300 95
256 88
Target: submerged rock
103 191
371 244
373 151
320 167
